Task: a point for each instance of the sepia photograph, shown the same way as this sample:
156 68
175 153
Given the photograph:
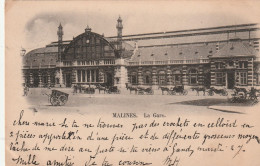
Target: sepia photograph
112 83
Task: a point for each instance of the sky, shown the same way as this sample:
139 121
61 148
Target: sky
39 21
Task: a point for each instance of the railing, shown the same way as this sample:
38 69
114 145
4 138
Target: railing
105 62
111 62
190 61
39 67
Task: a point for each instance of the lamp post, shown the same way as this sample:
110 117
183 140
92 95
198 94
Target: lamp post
22 51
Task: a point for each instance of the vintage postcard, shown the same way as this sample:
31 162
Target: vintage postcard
121 83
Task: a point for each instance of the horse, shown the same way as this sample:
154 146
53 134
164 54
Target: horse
198 89
131 88
101 88
164 89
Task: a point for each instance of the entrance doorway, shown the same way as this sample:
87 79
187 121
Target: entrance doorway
207 80
230 80
109 79
68 80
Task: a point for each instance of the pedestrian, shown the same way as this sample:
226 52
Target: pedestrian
75 89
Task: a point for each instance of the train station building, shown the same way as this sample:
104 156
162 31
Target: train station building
225 56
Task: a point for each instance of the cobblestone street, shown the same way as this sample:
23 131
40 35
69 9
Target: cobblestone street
107 103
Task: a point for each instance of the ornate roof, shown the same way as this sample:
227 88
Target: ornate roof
41 57
173 53
236 48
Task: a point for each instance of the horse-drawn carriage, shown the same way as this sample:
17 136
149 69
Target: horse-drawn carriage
58 98
243 95
174 90
88 90
178 89
143 91
112 90
211 91
101 87
221 92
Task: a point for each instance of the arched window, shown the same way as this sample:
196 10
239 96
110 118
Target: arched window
147 78
176 79
133 78
162 78
193 77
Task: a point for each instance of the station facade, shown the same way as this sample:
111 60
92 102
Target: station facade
225 56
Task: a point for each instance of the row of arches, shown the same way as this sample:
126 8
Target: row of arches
163 77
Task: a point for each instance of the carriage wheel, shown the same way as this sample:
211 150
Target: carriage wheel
118 92
210 93
185 92
54 101
151 92
63 99
233 100
224 93
173 93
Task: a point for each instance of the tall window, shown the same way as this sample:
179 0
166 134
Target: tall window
88 75
243 78
243 64
258 79
220 78
83 76
147 78
92 76
133 78
162 78
219 65
97 76
193 77
176 78
79 75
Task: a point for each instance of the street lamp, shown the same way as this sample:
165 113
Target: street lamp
22 52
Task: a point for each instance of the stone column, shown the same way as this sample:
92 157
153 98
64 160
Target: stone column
154 76
236 73
86 76
81 76
212 73
95 78
121 75
101 75
200 75
24 77
90 75
169 76
49 79
184 75
250 72
31 79
40 79
140 76
74 76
